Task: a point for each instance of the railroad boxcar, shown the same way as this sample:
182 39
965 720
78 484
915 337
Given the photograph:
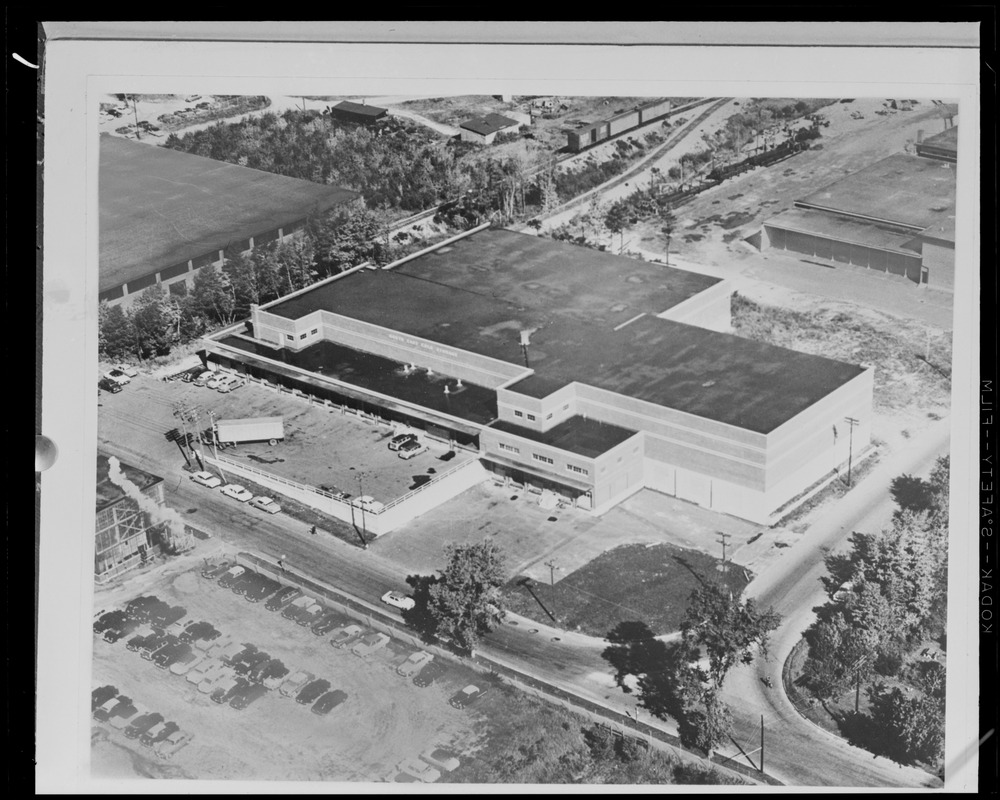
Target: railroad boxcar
624 122
653 111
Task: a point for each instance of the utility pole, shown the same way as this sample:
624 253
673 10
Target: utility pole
762 743
552 572
850 451
723 540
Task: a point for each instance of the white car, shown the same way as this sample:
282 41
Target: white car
265 504
414 663
367 503
237 492
229 385
419 769
117 376
204 378
206 479
129 371
411 449
398 600
370 644
441 758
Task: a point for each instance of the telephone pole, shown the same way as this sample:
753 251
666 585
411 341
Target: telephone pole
850 452
552 572
723 540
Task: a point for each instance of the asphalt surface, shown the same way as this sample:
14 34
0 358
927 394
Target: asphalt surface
799 753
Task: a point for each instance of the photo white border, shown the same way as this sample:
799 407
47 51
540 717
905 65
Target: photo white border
76 73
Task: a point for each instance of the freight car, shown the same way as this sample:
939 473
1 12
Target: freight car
592 133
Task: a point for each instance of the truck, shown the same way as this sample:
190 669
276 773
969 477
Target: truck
250 429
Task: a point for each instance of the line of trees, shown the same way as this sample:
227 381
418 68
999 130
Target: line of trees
893 599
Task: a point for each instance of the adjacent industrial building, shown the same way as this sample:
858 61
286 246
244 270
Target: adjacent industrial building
358 113
896 216
165 214
483 130
567 369
126 535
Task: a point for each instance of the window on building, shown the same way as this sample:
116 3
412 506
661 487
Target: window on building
577 470
566 407
543 459
304 335
508 448
518 414
314 331
289 337
531 417
549 416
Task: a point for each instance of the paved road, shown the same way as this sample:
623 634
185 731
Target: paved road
799 753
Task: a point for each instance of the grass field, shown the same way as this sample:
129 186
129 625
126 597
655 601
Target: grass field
632 583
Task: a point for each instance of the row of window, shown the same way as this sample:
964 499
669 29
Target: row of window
509 448
290 337
531 417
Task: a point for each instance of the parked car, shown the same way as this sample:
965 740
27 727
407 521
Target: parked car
174 742
371 643
151 648
398 600
101 695
141 724
398 441
204 377
166 657
414 663
207 668
109 619
122 714
190 374
154 733
129 371
118 377
326 623
430 673
113 635
329 701
109 385
467 696
237 492
283 598
244 582
229 386
229 688
368 503
347 636
419 769
230 575
225 381
294 683
184 664
297 607
262 589
197 631
313 691
265 504
411 449
102 711
310 615
246 696
207 479
441 758
215 570
215 380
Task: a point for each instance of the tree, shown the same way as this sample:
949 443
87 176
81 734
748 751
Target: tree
154 322
116 334
466 602
668 222
912 727
729 631
213 296
616 220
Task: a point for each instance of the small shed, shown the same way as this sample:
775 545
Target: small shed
485 129
359 113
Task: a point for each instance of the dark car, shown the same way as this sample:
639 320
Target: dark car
142 723
307 618
467 696
190 374
123 708
283 598
326 623
169 616
140 606
229 576
166 657
158 733
119 632
109 385
101 695
223 695
198 631
313 691
429 674
215 570
396 442
271 673
111 619
150 649
248 651
262 589
244 582
329 701
245 697
141 640
248 664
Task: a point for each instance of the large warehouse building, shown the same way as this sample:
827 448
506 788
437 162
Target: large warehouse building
895 216
165 214
568 369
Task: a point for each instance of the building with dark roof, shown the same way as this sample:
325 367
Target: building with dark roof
485 129
165 214
126 534
942 146
358 113
896 216
569 369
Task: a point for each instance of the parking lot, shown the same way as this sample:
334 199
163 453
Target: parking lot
323 447
384 720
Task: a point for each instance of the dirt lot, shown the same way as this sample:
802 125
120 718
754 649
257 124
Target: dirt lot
321 447
385 719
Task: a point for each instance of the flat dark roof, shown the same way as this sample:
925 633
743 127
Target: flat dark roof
108 492
585 437
946 140
904 189
480 292
491 123
845 229
360 108
160 207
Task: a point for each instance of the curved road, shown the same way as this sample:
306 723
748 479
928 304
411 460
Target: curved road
798 752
